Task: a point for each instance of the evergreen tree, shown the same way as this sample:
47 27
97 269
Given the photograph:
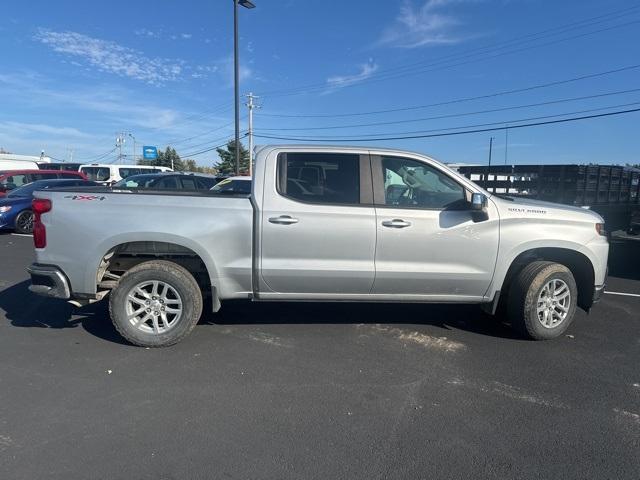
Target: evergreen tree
164 159
227 163
168 158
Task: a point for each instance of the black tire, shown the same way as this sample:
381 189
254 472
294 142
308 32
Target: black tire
525 292
24 222
172 274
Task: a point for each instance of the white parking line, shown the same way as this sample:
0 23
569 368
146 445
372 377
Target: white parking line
624 294
22 234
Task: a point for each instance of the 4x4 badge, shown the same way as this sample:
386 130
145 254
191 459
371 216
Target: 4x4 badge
85 197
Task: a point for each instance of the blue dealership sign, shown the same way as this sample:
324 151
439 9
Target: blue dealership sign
149 153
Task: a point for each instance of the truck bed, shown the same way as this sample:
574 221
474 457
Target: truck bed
86 223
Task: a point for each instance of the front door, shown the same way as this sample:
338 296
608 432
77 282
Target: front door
318 226
428 243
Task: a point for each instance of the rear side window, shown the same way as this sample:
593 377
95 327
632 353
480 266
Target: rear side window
320 177
168 183
127 172
188 183
98 174
205 183
15 181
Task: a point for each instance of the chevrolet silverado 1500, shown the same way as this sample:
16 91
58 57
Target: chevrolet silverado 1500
320 224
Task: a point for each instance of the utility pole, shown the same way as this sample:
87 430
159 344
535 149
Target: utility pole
251 106
506 144
486 176
120 139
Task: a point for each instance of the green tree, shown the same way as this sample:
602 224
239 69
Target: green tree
191 166
170 158
227 163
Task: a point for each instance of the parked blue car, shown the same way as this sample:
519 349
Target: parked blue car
15 208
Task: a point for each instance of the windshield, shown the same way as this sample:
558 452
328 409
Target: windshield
232 186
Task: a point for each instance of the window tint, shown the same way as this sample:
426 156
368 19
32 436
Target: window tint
205 183
168 183
127 172
409 183
32 177
98 174
320 178
188 183
230 186
15 181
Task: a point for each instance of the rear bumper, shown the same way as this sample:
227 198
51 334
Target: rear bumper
49 281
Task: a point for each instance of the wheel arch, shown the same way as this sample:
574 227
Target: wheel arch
120 253
578 263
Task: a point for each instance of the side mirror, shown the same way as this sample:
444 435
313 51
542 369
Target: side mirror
478 202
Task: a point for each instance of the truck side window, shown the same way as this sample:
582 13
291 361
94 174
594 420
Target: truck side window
320 177
412 184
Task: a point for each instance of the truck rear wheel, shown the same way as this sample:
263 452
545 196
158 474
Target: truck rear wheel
156 304
542 300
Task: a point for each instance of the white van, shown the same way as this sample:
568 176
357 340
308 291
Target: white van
109 173
11 161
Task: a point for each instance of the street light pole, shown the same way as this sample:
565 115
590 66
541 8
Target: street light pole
236 75
134 147
236 80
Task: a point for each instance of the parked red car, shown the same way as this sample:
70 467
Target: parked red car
10 179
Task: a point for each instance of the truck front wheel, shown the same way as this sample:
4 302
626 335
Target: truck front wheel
156 304
542 300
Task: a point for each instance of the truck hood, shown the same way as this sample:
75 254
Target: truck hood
548 209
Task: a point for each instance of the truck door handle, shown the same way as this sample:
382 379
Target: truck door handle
283 220
396 223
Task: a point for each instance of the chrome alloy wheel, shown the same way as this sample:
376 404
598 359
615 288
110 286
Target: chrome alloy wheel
154 306
553 303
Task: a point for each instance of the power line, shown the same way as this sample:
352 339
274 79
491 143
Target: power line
95 158
207 132
463 99
208 142
563 28
212 148
503 123
377 77
221 108
479 130
518 40
454 115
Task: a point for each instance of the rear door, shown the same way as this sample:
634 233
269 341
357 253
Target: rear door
318 225
428 242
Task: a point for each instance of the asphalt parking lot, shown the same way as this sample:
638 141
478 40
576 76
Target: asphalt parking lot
318 391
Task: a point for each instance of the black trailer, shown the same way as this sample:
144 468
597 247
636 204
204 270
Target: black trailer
612 191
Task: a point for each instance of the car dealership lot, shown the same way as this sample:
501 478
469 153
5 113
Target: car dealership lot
314 390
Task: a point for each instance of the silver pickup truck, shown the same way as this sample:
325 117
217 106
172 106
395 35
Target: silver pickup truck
320 224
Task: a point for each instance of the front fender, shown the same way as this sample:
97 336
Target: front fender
506 259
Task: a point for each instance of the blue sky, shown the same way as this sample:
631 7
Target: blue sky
75 73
